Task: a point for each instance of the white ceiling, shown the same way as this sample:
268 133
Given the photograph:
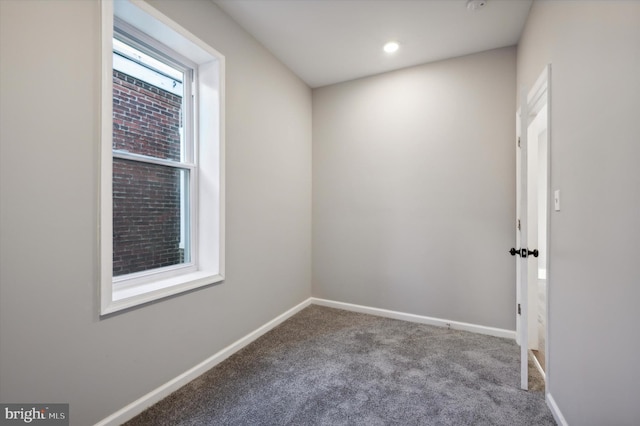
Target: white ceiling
330 41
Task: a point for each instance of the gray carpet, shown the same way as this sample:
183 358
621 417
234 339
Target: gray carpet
326 366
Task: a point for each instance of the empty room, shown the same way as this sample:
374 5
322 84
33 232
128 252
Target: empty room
355 212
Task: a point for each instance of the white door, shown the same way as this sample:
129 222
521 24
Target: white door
532 127
537 202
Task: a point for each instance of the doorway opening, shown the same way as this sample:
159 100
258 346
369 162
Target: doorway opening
538 196
532 237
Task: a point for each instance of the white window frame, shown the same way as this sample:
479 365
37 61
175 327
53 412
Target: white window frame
207 171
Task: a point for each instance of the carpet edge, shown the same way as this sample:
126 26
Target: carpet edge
438 322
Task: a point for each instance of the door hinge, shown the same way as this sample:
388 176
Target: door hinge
519 226
519 310
518 142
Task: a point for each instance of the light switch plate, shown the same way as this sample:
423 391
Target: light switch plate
556 200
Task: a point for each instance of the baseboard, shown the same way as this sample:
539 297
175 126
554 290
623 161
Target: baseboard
456 325
138 406
555 410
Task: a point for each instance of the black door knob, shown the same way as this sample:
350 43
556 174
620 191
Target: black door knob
524 252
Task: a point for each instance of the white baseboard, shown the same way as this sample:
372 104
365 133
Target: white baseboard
555 410
474 328
537 365
142 403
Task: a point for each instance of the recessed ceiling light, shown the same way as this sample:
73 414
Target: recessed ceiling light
391 47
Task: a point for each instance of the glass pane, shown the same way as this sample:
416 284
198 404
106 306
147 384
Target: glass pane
150 216
147 105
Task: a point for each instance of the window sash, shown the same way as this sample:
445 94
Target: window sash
130 35
125 155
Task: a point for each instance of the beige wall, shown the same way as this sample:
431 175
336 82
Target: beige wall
53 345
414 190
414 200
594 51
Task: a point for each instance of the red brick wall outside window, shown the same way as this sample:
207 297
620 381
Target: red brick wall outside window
146 197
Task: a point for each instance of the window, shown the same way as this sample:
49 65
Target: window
153 157
161 158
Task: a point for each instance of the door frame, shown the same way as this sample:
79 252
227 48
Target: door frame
532 102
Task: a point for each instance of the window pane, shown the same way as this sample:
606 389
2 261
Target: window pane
150 216
147 106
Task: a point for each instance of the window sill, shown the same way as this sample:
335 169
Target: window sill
124 297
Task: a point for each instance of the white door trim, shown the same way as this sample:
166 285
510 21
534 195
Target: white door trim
521 240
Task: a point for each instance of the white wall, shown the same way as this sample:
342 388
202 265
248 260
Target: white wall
53 345
594 280
414 190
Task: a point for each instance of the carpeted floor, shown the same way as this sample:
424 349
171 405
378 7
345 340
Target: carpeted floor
326 366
